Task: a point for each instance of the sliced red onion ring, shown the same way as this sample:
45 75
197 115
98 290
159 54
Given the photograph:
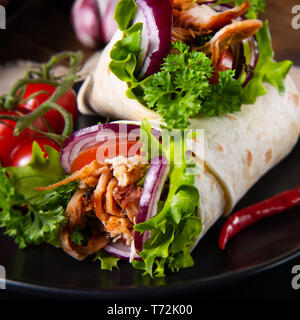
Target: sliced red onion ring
121 251
93 21
89 137
153 186
108 23
156 16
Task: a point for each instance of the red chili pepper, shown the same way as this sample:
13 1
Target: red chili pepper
248 216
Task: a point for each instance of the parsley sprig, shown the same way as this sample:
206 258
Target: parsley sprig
182 90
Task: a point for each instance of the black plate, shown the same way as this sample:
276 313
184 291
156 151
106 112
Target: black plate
49 271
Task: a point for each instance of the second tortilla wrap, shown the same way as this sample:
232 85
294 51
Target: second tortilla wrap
239 149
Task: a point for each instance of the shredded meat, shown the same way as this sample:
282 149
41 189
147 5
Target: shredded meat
128 171
110 205
74 211
93 169
97 242
203 17
75 216
100 191
117 227
128 199
182 34
117 224
231 34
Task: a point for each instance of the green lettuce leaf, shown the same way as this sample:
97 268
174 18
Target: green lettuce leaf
108 262
124 12
29 216
124 52
39 172
169 245
267 70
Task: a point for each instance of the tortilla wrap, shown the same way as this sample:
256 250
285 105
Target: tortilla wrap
103 93
238 148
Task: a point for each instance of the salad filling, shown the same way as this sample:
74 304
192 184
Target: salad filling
130 205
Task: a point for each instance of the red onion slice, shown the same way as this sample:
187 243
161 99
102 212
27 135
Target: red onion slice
87 23
157 18
121 251
108 23
153 186
89 137
93 21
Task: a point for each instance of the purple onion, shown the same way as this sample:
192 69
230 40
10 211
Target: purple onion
93 21
108 23
84 139
152 189
89 137
121 251
156 16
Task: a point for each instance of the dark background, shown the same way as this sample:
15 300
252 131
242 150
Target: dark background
40 28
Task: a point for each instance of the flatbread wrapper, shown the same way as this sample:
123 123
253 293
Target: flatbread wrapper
238 148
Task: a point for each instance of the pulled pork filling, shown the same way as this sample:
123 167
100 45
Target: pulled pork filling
107 201
115 198
195 22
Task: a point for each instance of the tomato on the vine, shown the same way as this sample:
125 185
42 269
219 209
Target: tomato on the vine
8 141
22 153
54 118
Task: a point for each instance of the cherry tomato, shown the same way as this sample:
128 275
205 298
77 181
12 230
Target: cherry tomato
107 150
225 63
22 153
54 118
7 139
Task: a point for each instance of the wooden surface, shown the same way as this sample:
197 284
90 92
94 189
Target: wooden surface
42 27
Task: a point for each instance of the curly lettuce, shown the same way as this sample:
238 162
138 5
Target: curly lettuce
27 215
125 51
176 226
267 69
